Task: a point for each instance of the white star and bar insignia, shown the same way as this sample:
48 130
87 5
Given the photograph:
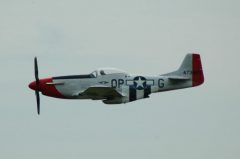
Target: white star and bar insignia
140 82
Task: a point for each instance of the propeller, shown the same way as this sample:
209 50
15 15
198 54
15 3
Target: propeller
37 84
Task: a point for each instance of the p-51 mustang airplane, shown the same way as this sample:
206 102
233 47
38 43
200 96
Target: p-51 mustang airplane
114 86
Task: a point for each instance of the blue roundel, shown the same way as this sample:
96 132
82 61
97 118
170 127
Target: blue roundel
139 82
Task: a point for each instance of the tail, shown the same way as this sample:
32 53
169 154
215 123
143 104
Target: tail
190 69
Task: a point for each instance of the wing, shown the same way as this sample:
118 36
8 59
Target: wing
98 92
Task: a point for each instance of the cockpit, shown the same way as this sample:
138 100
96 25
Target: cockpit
107 71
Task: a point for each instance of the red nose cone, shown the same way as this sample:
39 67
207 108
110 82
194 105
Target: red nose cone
44 85
33 85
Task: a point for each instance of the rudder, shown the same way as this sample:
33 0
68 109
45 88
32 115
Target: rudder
197 71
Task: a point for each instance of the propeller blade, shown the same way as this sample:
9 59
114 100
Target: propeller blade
36 70
38 101
37 83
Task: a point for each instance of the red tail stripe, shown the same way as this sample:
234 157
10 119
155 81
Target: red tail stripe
197 75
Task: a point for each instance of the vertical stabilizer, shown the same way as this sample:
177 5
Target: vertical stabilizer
190 69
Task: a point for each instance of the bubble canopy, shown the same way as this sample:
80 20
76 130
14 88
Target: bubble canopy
107 71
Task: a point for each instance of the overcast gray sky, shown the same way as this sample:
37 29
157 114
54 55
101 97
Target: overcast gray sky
139 36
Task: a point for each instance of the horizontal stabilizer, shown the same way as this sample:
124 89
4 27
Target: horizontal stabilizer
178 78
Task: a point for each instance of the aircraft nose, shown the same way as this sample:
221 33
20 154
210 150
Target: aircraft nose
33 85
